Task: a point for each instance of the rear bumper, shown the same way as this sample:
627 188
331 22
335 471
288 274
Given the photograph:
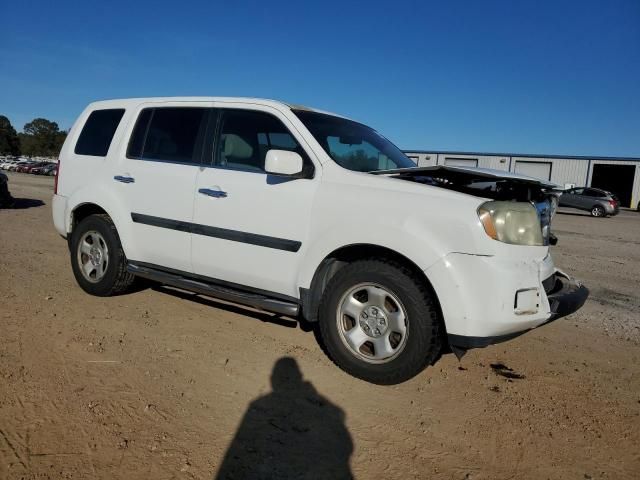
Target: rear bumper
59 213
611 210
565 296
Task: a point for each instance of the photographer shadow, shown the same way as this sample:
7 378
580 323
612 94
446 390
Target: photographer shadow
22 203
292 432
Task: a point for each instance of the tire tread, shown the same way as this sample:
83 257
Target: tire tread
123 279
430 342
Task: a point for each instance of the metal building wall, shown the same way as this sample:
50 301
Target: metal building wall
484 161
564 171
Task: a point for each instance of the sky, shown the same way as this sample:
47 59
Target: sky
555 77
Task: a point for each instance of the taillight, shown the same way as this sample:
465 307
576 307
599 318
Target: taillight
55 181
612 203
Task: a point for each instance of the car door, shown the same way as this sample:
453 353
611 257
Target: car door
587 199
252 228
593 196
157 176
571 198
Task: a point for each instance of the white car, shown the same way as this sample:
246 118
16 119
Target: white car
310 215
7 164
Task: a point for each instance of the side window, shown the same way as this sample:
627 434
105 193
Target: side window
246 136
98 132
136 143
169 134
594 193
577 191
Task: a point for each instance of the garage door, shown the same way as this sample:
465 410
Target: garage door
617 179
541 170
461 162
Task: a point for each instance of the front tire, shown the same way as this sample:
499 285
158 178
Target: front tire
97 258
379 322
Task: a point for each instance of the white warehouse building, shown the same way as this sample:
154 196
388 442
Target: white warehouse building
615 174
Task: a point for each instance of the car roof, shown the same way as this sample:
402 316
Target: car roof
591 188
132 102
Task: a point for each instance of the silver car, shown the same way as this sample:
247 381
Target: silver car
599 202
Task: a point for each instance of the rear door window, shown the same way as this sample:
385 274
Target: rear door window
594 193
98 132
169 134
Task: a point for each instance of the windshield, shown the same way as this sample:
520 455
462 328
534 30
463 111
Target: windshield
353 145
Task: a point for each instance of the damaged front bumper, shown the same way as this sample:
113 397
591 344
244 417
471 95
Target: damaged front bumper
565 296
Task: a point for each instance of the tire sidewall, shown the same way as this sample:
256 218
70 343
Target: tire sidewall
102 226
422 345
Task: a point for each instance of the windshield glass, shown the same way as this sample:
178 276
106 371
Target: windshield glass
353 145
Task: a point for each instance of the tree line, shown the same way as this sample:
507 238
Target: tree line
39 138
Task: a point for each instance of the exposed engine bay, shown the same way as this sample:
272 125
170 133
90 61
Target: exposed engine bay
491 184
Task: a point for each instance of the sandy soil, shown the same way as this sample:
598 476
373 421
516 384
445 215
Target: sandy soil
161 384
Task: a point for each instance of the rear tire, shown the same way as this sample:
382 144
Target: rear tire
397 332
97 258
597 211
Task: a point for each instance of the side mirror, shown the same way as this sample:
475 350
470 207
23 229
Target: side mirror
283 162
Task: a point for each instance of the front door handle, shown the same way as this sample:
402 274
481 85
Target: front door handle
212 193
123 179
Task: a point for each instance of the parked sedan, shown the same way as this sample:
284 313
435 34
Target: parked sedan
37 169
16 166
599 202
48 169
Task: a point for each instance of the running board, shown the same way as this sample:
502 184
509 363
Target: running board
224 293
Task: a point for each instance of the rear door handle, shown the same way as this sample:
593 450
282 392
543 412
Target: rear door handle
212 193
120 178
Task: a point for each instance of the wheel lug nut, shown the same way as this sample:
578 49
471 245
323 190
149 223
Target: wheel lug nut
374 311
364 315
366 327
376 331
382 322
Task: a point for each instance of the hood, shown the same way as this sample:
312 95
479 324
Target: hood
490 184
479 182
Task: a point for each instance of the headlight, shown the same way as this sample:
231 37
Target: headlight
516 223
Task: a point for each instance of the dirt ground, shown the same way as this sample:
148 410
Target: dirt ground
161 384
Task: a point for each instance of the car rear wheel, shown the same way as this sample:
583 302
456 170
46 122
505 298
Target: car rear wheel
379 322
97 258
597 211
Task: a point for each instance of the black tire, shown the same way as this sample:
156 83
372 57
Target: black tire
598 211
424 331
116 279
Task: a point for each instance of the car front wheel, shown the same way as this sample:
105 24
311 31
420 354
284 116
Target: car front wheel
379 322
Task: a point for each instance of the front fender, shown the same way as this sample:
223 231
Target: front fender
420 223
412 239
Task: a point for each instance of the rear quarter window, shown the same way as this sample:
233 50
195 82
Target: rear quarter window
98 132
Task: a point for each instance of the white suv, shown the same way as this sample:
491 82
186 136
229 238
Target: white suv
310 215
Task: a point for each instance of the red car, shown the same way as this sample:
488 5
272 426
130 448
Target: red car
22 168
29 168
